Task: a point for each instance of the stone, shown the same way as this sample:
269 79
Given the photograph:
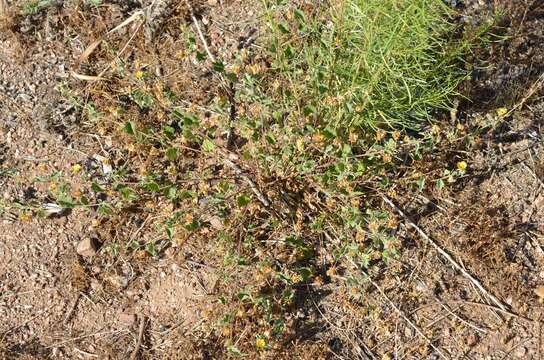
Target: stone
127 319
216 223
520 352
87 247
539 291
118 282
472 340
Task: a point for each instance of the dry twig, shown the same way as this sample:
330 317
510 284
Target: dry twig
532 90
399 311
447 256
136 350
72 309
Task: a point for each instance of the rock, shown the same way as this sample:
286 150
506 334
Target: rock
539 291
472 340
87 247
95 285
118 282
520 352
127 319
216 223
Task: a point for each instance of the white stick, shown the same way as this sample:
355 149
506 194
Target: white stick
446 255
414 326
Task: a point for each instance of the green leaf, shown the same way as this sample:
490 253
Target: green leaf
439 184
243 200
219 66
233 350
128 193
152 186
193 226
420 183
83 200
66 202
284 28
151 249
207 145
170 232
130 128
330 133
169 131
200 56
171 193
104 209
309 110
288 51
278 327
299 14
305 273
270 138
172 154
97 188
294 242
243 296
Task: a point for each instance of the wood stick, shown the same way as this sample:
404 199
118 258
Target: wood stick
447 256
399 311
134 354
72 309
532 90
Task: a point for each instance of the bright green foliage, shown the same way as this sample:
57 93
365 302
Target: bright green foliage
368 63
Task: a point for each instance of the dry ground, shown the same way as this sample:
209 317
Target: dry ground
55 304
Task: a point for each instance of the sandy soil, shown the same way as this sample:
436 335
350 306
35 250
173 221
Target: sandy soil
57 304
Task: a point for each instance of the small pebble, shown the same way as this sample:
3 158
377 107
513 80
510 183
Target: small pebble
127 319
520 352
539 291
472 340
87 247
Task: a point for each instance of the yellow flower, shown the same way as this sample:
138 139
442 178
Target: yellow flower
462 165
139 74
260 343
353 291
331 271
501 111
386 158
254 69
25 217
235 69
318 140
75 168
374 227
225 331
42 168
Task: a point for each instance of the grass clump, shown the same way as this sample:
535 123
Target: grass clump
364 64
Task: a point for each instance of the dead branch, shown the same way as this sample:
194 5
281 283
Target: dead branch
447 256
399 311
136 350
532 90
